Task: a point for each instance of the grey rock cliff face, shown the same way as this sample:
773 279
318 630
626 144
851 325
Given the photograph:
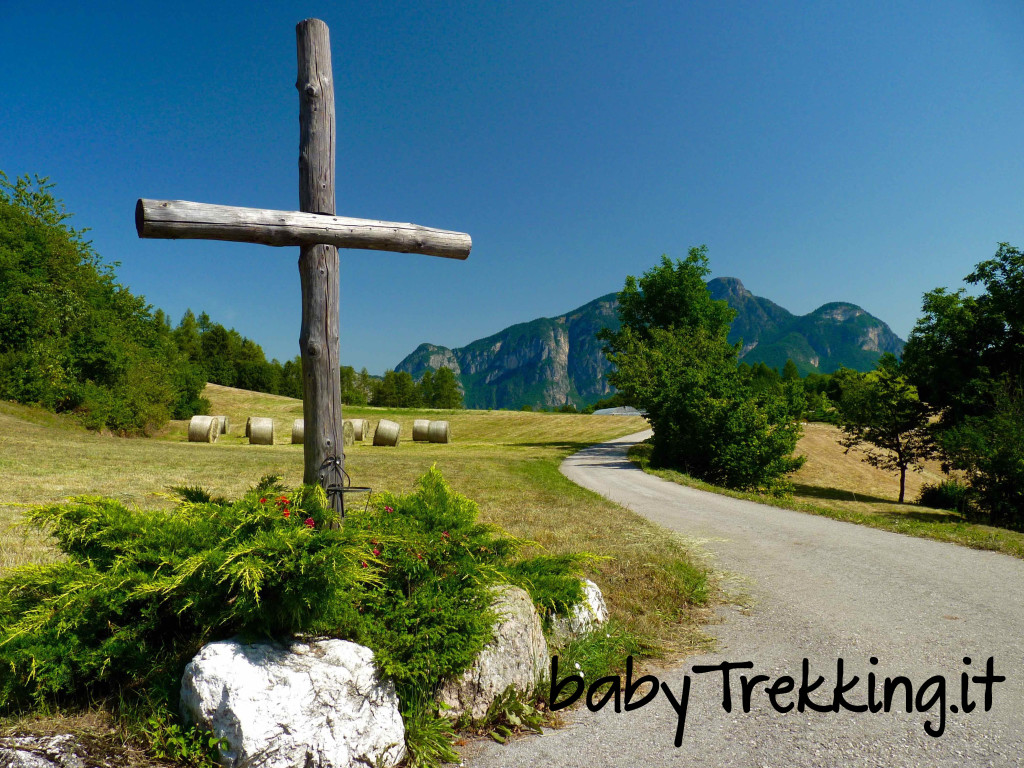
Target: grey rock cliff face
549 362
546 362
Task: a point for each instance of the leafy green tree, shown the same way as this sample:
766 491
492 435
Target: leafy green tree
989 449
351 393
966 355
406 393
291 378
385 391
446 393
882 409
71 338
790 371
364 383
673 360
426 388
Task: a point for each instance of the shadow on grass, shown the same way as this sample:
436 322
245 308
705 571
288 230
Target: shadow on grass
562 445
836 494
938 516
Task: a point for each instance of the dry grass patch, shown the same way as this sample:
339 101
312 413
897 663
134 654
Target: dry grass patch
845 479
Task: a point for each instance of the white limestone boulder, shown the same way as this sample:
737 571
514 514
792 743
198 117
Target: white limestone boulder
61 751
516 656
584 616
311 704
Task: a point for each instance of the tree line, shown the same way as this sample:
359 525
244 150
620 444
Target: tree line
956 394
73 340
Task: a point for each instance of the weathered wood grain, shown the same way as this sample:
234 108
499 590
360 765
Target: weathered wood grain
318 264
185 220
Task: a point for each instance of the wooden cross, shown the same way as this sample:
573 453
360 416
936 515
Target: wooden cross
319 234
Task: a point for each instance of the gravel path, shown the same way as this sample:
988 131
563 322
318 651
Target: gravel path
824 591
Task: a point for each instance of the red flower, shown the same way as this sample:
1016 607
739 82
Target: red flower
287 513
444 534
389 509
376 552
363 564
263 501
310 522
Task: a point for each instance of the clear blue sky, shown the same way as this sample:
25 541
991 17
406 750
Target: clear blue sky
859 151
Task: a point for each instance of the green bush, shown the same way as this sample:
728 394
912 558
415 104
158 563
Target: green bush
673 360
141 591
949 494
429 614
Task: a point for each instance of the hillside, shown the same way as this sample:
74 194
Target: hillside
549 362
833 335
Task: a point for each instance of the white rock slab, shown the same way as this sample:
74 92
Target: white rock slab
584 617
517 656
318 704
61 751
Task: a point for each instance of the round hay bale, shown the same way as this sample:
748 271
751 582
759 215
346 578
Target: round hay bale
298 431
203 429
387 432
366 429
359 429
420 430
261 431
439 432
248 423
348 433
224 424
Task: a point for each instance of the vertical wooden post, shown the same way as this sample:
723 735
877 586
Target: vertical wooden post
318 264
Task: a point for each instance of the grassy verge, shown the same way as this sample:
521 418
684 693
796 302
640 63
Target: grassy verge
864 508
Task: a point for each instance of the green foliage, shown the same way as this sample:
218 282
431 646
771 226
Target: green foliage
395 390
948 494
511 713
989 448
139 592
430 615
673 361
428 735
444 392
71 338
167 739
966 355
352 391
790 371
602 651
882 408
616 400
435 389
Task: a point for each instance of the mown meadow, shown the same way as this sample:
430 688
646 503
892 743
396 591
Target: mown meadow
506 461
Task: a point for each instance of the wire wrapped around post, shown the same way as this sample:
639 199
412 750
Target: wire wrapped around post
334 479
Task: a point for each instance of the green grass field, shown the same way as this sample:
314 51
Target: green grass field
506 461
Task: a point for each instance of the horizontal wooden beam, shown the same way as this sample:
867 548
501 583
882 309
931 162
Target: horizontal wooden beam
180 219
